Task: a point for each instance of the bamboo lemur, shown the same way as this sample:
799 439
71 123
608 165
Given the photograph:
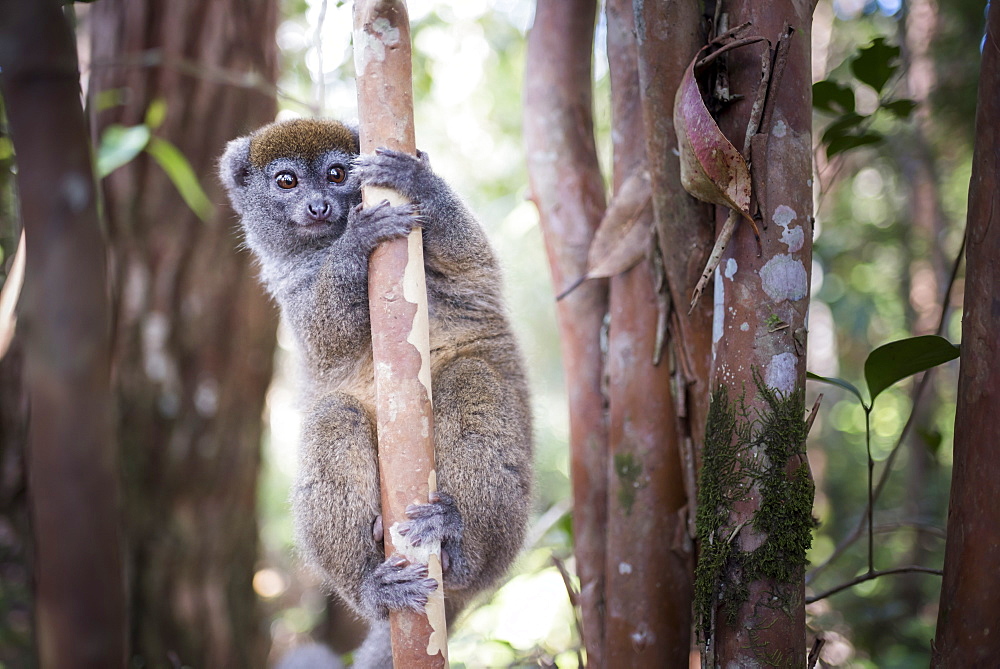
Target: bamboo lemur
297 187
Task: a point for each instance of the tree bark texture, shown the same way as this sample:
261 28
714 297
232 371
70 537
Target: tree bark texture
397 299
759 335
668 34
649 569
194 334
567 188
64 323
970 596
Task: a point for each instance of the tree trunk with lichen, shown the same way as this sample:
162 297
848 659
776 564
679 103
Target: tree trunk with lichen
194 333
756 491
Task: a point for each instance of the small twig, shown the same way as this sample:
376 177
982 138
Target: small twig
870 576
715 257
778 70
156 58
922 385
814 653
707 60
812 414
946 298
547 521
571 591
574 600
729 34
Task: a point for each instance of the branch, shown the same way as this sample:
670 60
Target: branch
922 385
870 576
397 300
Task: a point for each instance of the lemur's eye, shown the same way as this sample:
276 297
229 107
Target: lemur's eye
336 174
285 180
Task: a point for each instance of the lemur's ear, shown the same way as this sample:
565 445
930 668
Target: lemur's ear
234 168
353 127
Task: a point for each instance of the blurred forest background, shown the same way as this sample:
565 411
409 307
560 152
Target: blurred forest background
194 336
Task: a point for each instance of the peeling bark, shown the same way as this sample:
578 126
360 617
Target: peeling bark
397 298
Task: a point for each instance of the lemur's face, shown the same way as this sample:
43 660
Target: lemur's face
311 198
290 182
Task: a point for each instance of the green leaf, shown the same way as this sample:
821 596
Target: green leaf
847 142
876 64
177 167
119 145
900 108
897 360
155 113
842 126
829 96
833 381
106 99
6 148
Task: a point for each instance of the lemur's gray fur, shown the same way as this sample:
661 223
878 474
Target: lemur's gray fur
296 186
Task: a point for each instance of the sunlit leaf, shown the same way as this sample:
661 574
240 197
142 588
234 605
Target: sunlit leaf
829 96
120 144
841 383
109 98
6 148
897 360
155 113
876 64
183 177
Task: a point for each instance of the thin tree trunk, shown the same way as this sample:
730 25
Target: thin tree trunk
668 34
567 188
970 596
65 315
648 578
758 482
194 334
397 300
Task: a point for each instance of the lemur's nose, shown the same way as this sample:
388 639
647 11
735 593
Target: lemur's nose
319 211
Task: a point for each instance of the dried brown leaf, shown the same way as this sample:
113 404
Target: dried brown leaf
622 238
712 169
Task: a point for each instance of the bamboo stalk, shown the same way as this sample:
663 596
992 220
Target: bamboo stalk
397 300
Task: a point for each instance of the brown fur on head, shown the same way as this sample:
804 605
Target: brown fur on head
306 138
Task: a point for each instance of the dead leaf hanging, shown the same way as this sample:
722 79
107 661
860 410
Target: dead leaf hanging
712 169
622 238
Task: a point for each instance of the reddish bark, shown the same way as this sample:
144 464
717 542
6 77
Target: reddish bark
668 34
65 315
970 595
567 188
399 318
753 289
648 582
